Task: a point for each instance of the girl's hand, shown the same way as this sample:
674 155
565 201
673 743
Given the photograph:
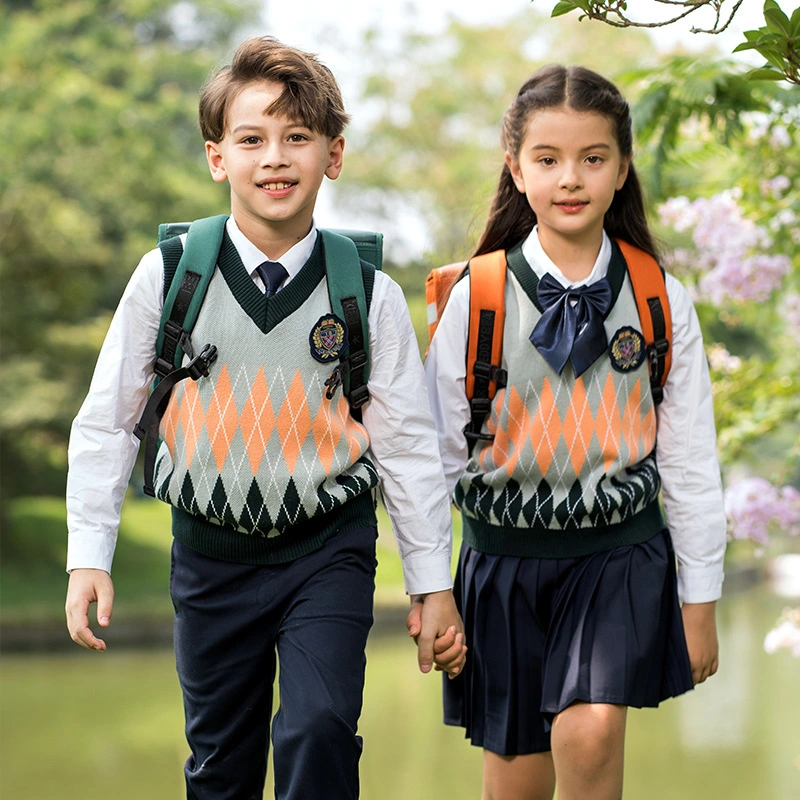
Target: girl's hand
436 626
700 626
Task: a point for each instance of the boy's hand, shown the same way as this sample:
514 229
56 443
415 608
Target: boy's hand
700 625
87 586
435 624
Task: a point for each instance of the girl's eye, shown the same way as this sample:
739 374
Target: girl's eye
594 160
547 161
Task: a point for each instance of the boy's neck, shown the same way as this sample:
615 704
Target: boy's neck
271 239
574 257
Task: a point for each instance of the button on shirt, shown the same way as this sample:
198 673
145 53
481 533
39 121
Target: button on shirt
687 453
102 449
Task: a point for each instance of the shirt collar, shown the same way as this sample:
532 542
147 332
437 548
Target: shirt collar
541 263
292 260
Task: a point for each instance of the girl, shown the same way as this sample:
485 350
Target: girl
567 581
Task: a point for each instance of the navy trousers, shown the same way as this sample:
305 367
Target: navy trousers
231 620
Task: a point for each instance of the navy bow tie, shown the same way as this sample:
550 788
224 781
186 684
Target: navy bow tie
572 324
272 274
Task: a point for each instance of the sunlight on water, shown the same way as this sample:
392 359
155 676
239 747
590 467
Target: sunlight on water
87 726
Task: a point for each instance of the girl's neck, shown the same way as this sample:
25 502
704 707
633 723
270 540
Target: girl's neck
575 258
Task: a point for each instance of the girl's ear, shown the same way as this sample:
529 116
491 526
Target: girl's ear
622 175
516 173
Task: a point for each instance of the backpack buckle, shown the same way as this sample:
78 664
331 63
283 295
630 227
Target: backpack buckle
199 366
358 396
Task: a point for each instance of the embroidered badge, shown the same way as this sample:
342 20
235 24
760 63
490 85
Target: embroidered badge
328 338
627 349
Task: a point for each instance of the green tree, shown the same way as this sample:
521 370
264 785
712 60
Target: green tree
98 102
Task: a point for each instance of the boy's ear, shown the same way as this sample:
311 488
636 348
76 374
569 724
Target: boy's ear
215 162
516 173
335 156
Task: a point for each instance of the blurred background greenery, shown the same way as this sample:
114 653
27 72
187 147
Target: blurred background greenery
98 103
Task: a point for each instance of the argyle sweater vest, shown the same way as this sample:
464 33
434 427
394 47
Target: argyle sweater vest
258 464
571 469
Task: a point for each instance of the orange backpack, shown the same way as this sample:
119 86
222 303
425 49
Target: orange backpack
487 276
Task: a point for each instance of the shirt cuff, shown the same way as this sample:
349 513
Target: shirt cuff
425 574
89 551
700 584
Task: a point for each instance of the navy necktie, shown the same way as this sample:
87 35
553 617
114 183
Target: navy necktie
273 274
572 325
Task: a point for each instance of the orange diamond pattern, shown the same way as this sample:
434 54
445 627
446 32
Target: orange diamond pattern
615 429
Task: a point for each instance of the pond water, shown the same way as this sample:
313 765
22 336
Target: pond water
87 726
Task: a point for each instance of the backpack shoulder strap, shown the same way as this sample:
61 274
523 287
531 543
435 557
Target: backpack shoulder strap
348 299
186 289
438 285
650 290
487 279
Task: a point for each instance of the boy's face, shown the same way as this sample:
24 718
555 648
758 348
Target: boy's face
274 165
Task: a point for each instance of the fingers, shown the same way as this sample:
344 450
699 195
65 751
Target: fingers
425 642
414 619
87 586
453 658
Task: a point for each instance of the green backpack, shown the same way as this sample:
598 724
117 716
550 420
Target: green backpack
188 269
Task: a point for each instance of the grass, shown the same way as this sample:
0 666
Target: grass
33 580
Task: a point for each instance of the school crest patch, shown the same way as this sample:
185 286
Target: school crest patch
328 338
626 349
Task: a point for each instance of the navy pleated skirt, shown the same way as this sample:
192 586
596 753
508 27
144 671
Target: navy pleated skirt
543 633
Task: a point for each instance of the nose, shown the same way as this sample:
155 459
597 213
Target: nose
274 154
570 178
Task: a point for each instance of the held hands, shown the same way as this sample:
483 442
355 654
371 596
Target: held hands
700 626
87 586
436 626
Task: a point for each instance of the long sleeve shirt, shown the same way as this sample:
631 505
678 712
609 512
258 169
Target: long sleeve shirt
102 449
686 438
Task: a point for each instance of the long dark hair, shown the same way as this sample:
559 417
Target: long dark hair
511 218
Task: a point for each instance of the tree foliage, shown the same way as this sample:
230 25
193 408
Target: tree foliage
98 101
778 40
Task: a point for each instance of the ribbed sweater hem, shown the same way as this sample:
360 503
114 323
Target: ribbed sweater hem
541 542
228 544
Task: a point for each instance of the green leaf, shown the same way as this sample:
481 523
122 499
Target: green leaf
764 74
777 20
563 7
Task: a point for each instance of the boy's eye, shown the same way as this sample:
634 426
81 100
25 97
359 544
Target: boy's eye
298 137
250 140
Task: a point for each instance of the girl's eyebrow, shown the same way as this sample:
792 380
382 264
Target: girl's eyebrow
598 146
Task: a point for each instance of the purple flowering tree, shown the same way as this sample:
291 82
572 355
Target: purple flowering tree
738 252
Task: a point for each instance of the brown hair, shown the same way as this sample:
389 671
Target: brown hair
511 218
310 92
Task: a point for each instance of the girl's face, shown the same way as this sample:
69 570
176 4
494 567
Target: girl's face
569 166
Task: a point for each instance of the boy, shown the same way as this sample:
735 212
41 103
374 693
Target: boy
300 583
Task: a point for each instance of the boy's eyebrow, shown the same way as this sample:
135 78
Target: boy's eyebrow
253 126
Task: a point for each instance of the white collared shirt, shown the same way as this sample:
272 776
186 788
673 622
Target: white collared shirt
686 450
102 448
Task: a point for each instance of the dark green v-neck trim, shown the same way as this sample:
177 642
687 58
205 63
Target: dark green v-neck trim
529 281
266 312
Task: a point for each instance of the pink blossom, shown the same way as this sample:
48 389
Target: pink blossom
790 310
729 248
786 634
755 508
721 360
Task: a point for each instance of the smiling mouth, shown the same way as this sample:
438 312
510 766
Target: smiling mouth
277 186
